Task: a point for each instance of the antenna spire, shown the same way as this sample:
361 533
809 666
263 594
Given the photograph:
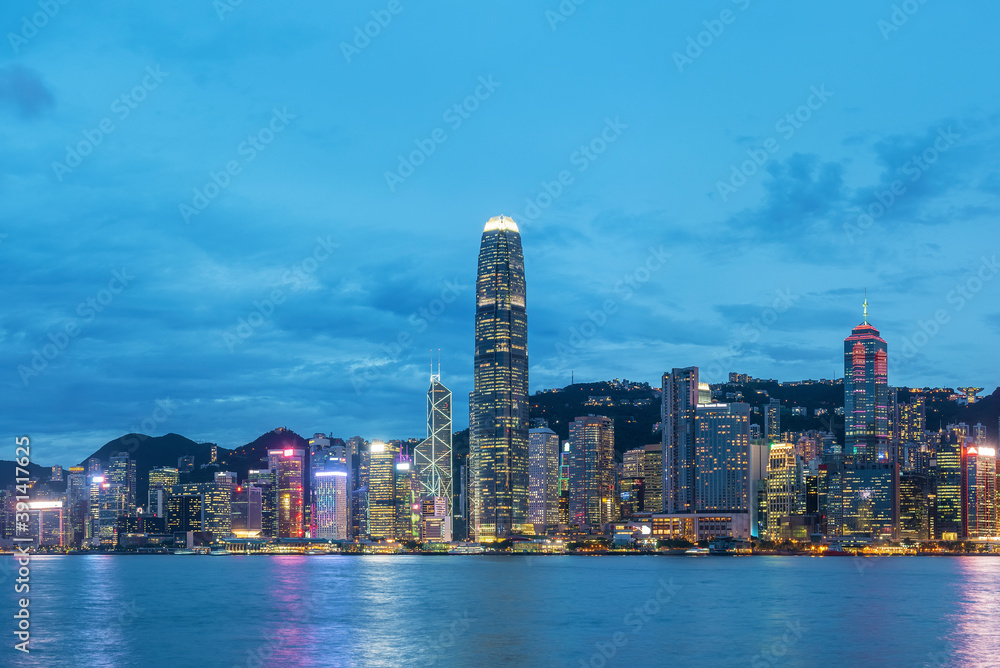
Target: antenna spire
866 306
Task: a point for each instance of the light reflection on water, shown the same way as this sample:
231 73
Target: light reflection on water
256 611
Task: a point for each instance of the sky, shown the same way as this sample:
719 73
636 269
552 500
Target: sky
223 217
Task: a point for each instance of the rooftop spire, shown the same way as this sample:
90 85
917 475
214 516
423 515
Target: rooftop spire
866 306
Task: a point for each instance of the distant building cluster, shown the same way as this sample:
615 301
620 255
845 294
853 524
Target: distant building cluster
711 476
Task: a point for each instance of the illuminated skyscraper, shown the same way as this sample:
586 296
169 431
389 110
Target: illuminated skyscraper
543 479
407 507
247 506
432 457
772 421
332 492
915 515
163 476
632 462
215 506
381 491
288 468
499 407
722 471
785 489
866 393
946 468
979 492
121 473
591 471
185 512
913 420
680 399
862 498
46 523
652 477
264 481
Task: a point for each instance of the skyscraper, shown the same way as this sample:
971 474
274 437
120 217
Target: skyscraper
946 468
591 471
979 492
722 472
785 489
543 480
866 393
407 523
248 515
288 468
121 473
331 487
680 399
772 420
632 463
652 477
499 407
432 456
381 491
215 506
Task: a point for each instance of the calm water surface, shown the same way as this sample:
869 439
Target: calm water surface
153 611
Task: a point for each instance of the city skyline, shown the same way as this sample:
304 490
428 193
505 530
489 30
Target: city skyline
459 334
85 450
316 229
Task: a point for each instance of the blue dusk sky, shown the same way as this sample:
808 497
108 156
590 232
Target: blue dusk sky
223 217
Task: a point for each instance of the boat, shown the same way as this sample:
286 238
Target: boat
219 553
314 550
466 549
183 552
697 551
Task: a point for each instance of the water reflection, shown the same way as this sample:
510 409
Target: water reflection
976 640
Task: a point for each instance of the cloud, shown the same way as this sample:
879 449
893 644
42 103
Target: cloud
22 90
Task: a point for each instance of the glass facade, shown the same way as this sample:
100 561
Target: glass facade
785 489
866 393
947 470
543 480
288 466
979 492
499 406
432 456
591 471
680 399
722 469
381 491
